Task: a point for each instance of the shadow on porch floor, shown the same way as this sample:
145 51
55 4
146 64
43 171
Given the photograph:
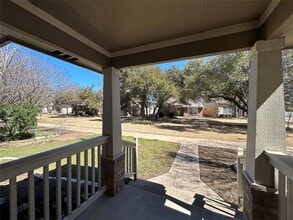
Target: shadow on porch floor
148 200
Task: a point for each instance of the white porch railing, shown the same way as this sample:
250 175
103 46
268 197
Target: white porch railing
284 164
54 161
131 158
241 160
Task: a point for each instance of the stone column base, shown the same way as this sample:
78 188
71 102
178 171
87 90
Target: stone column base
113 174
260 202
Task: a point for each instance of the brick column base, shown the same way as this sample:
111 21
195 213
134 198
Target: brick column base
260 202
113 174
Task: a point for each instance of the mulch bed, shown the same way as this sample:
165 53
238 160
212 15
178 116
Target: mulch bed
22 198
216 171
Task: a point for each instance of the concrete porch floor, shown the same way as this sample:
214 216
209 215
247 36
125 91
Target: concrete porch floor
136 201
178 194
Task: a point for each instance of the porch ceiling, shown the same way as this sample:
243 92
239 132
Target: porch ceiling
103 33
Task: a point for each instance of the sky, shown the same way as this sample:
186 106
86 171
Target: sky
85 77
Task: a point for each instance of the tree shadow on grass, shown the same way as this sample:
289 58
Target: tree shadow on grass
196 125
96 119
60 116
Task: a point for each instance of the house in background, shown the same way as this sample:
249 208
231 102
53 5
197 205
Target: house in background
219 109
190 108
215 109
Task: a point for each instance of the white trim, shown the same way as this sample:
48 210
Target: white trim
268 11
190 38
46 46
58 24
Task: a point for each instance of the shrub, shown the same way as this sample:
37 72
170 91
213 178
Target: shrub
17 119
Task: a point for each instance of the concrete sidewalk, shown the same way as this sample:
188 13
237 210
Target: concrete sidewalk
179 139
183 182
178 194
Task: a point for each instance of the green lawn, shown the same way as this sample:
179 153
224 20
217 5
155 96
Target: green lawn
40 146
155 157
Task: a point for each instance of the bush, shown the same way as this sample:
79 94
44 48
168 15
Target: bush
16 119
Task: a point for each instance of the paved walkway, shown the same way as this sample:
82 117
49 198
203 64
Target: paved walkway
183 182
178 194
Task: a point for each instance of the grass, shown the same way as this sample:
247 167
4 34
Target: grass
40 133
203 128
155 157
11 150
220 129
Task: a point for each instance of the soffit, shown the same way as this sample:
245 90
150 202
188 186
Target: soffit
128 33
120 25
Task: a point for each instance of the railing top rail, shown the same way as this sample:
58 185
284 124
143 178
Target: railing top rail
282 162
25 164
128 143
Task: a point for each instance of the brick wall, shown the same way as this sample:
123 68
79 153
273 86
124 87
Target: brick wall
259 204
113 174
210 110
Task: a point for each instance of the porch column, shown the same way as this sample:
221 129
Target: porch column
266 128
113 157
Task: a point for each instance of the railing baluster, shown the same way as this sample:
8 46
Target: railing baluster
77 180
128 158
100 166
93 171
86 173
46 193
131 159
239 179
31 195
136 157
289 198
58 190
12 198
125 158
69 186
282 197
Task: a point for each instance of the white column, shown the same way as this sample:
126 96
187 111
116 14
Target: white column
112 112
266 124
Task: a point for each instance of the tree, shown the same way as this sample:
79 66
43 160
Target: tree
90 99
176 76
146 87
288 78
16 119
26 78
83 100
224 76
